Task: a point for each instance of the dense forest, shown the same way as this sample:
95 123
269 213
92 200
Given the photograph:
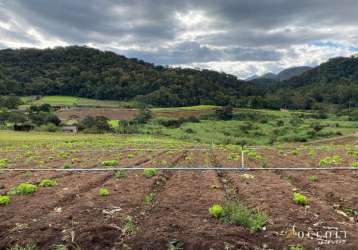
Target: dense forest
88 72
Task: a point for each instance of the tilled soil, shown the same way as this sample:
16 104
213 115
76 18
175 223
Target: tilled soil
74 214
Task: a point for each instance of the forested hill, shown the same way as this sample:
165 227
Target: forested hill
88 72
335 81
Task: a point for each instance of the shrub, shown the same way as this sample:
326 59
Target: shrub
47 183
25 188
149 172
103 192
110 163
355 164
189 131
224 113
216 210
120 174
4 199
236 213
49 127
280 123
300 199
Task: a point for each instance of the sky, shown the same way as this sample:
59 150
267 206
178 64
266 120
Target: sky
238 37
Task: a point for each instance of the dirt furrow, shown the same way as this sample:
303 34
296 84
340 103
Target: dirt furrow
69 189
179 216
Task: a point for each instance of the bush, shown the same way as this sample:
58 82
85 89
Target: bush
280 123
149 172
189 131
25 188
235 213
144 116
49 127
216 210
110 163
103 192
224 113
4 199
300 199
96 125
47 183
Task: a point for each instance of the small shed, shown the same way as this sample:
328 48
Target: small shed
70 129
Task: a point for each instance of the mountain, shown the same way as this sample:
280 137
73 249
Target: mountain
269 75
291 72
252 77
284 74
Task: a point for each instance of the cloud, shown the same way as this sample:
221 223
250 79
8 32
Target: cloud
236 36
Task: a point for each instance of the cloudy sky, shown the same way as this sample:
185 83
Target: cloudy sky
241 37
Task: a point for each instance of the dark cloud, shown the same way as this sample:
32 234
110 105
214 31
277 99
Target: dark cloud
186 31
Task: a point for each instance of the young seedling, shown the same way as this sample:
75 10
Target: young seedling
47 183
103 192
120 174
327 161
149 199
63 155
4 163
67 166
300 199
313 178
4 199
110 163
216 210
28 246
24 188
130 226
149 172
233 157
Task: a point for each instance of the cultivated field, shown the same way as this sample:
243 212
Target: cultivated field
168 209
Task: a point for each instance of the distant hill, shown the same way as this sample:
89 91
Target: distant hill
291 72
335 70
283 75
91 73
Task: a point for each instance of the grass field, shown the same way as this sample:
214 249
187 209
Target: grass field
256 127
73 101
